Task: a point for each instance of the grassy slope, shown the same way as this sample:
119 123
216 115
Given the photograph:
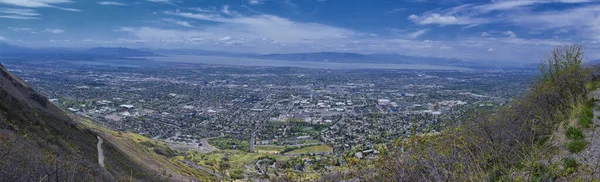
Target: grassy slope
129 147
269 149
41 125
312 149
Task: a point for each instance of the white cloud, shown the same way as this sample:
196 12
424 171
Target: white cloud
18 17
22 14
491 49
39 4
111 3
225 38
17 29
20 29
484 34
435 18
396 10
2 38
55 31
199 16
499 11
180 23
159 1
184 23
417 34
226 10
510 34
267 26
255 2
584 20
513 4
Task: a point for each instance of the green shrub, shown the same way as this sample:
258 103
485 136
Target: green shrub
574 133
236 174
165 151
541 172
224 143
593 85
497 175
570 165
585 121
576 146
588 112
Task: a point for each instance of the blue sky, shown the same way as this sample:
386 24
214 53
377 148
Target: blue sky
497 30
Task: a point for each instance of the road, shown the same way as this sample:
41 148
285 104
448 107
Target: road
100 152
205 146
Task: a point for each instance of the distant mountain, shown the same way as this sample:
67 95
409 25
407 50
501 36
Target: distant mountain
333 57
338 57
593 62
196 52
341 57
8 48
344 57
119 52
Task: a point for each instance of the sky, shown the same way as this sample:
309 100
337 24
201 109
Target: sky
496 30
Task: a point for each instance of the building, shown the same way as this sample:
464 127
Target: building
127 106
383 102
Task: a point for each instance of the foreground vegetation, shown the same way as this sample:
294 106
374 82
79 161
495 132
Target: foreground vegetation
515 142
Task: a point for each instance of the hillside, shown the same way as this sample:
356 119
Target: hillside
40 142
547 134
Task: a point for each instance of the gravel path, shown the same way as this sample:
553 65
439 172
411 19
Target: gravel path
590 156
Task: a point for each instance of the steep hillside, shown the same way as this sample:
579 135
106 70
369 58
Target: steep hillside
515 142
40 142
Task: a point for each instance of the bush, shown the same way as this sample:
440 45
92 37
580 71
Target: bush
236 174
165 151
585 121
224 143
570 165
576 146
588 112
574 133
541 172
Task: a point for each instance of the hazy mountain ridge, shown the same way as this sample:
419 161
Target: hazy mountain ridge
8 50
99 53
119 52
344 57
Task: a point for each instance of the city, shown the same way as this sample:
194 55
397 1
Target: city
275 107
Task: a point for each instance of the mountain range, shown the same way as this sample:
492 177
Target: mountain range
7 50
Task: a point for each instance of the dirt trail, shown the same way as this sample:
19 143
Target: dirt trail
100 152
589 158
